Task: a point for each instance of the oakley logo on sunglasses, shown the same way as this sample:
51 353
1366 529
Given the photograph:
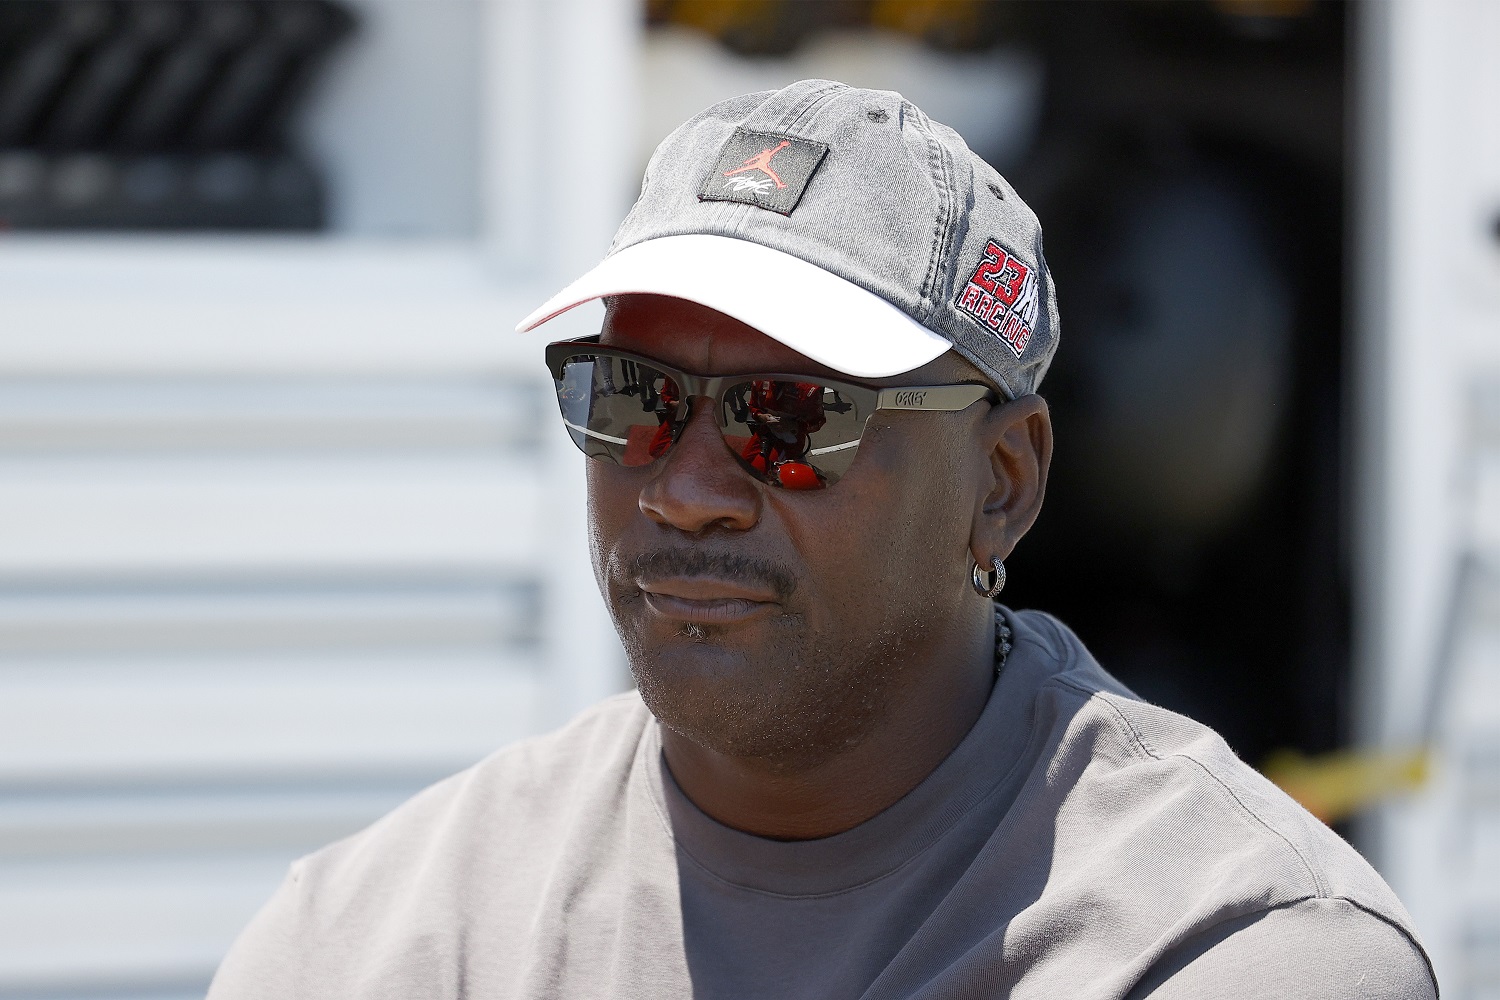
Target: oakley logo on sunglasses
1002 297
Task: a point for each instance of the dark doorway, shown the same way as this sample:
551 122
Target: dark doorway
1189 173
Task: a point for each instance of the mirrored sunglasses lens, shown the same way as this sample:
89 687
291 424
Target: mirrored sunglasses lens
799 435
617 410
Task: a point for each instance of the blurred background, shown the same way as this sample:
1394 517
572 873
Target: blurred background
288 528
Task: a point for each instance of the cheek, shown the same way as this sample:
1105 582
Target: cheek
920 493
899 520
613 499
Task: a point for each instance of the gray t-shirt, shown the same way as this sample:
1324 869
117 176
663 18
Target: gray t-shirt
1078 843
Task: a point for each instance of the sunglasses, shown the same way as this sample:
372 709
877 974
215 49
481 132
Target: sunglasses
792 431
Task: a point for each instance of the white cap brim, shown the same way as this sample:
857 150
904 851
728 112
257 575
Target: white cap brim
814 312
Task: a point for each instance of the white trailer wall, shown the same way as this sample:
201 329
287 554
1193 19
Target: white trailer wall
1428 293
287 527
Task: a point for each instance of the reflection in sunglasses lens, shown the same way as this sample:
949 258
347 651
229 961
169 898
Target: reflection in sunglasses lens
780 418
795 435
618 410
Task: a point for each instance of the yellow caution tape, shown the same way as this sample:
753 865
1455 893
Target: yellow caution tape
1335 786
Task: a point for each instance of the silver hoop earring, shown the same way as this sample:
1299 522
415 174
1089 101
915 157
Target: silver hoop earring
989 588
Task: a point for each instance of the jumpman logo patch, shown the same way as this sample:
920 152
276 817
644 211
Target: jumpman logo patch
763 169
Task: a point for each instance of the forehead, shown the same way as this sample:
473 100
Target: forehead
695 338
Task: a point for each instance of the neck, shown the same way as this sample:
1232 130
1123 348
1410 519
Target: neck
939 697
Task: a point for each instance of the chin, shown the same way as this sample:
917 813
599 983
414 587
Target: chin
790 714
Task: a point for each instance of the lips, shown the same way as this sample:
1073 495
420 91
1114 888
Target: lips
706 600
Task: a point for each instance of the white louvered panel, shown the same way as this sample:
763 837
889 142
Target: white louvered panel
141 890
57 823
284 535
369 333
100 413
156 926
1474 721
1485 457
1431 520
256 307
139 620
216 514
231 718
1457 844
1471 826
279 529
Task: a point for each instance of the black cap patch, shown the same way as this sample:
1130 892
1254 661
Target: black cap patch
763 169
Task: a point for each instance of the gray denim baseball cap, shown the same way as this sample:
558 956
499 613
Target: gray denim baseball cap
844 223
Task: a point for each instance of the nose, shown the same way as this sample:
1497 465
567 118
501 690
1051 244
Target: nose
698 484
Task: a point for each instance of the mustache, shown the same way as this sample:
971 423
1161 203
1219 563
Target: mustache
723 565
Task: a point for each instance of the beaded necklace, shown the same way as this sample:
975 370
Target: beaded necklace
1002 642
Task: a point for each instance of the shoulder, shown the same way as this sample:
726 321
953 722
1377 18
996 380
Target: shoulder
1319 949
1181 778
518 790
419 860
1158 811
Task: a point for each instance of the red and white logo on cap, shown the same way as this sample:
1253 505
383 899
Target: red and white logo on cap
762 161
769 170
1001 295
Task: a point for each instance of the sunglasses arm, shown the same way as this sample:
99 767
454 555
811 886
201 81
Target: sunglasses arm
933 397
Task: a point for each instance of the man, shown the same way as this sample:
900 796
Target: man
847 772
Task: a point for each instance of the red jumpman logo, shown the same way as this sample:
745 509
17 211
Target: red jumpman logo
762 161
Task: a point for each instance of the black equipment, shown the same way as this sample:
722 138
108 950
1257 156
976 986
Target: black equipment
159 114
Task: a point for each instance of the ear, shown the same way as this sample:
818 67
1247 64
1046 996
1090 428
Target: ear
1018 438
